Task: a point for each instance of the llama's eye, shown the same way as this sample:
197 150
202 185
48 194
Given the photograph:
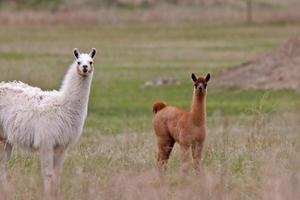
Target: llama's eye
78 63
205 85
91 63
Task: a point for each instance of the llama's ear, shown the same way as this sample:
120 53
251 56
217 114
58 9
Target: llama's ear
194 78
207 77
76 53
93 53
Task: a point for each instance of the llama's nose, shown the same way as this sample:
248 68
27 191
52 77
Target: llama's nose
84 66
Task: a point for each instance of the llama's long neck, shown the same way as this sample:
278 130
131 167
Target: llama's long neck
75 89
198 109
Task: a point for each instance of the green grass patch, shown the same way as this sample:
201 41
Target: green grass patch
128 56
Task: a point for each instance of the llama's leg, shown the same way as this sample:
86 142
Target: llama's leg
5 187
165 146
185 158
59 158
4 161
197 152
46 157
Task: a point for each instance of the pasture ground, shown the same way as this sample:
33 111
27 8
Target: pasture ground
253 138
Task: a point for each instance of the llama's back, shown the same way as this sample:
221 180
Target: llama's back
21 108
19 94
166 112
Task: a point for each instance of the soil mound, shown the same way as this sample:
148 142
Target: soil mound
277 70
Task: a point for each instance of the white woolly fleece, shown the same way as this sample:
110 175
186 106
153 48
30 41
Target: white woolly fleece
30 117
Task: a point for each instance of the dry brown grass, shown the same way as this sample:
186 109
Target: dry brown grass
249 158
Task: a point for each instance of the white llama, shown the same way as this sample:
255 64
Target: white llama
46 121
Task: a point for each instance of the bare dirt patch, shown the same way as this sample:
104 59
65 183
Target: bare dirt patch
279 69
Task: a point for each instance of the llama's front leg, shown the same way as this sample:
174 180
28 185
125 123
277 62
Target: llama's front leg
197 152
4 161
59 158
46 157
185 158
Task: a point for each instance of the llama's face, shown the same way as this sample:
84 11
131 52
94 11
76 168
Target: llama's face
84 62
200 83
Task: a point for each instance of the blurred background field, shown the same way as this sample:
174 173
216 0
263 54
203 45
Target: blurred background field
253 135
148 11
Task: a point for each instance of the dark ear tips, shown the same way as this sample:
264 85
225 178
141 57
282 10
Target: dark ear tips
207 77
76 52
194 78
93 52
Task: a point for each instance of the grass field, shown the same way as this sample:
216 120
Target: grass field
249 131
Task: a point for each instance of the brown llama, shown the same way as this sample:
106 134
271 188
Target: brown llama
187 128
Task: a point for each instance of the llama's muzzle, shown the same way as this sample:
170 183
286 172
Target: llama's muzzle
85 68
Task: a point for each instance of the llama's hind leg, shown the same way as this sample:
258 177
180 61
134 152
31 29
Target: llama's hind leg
165 146
46 157
4 162
196 153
